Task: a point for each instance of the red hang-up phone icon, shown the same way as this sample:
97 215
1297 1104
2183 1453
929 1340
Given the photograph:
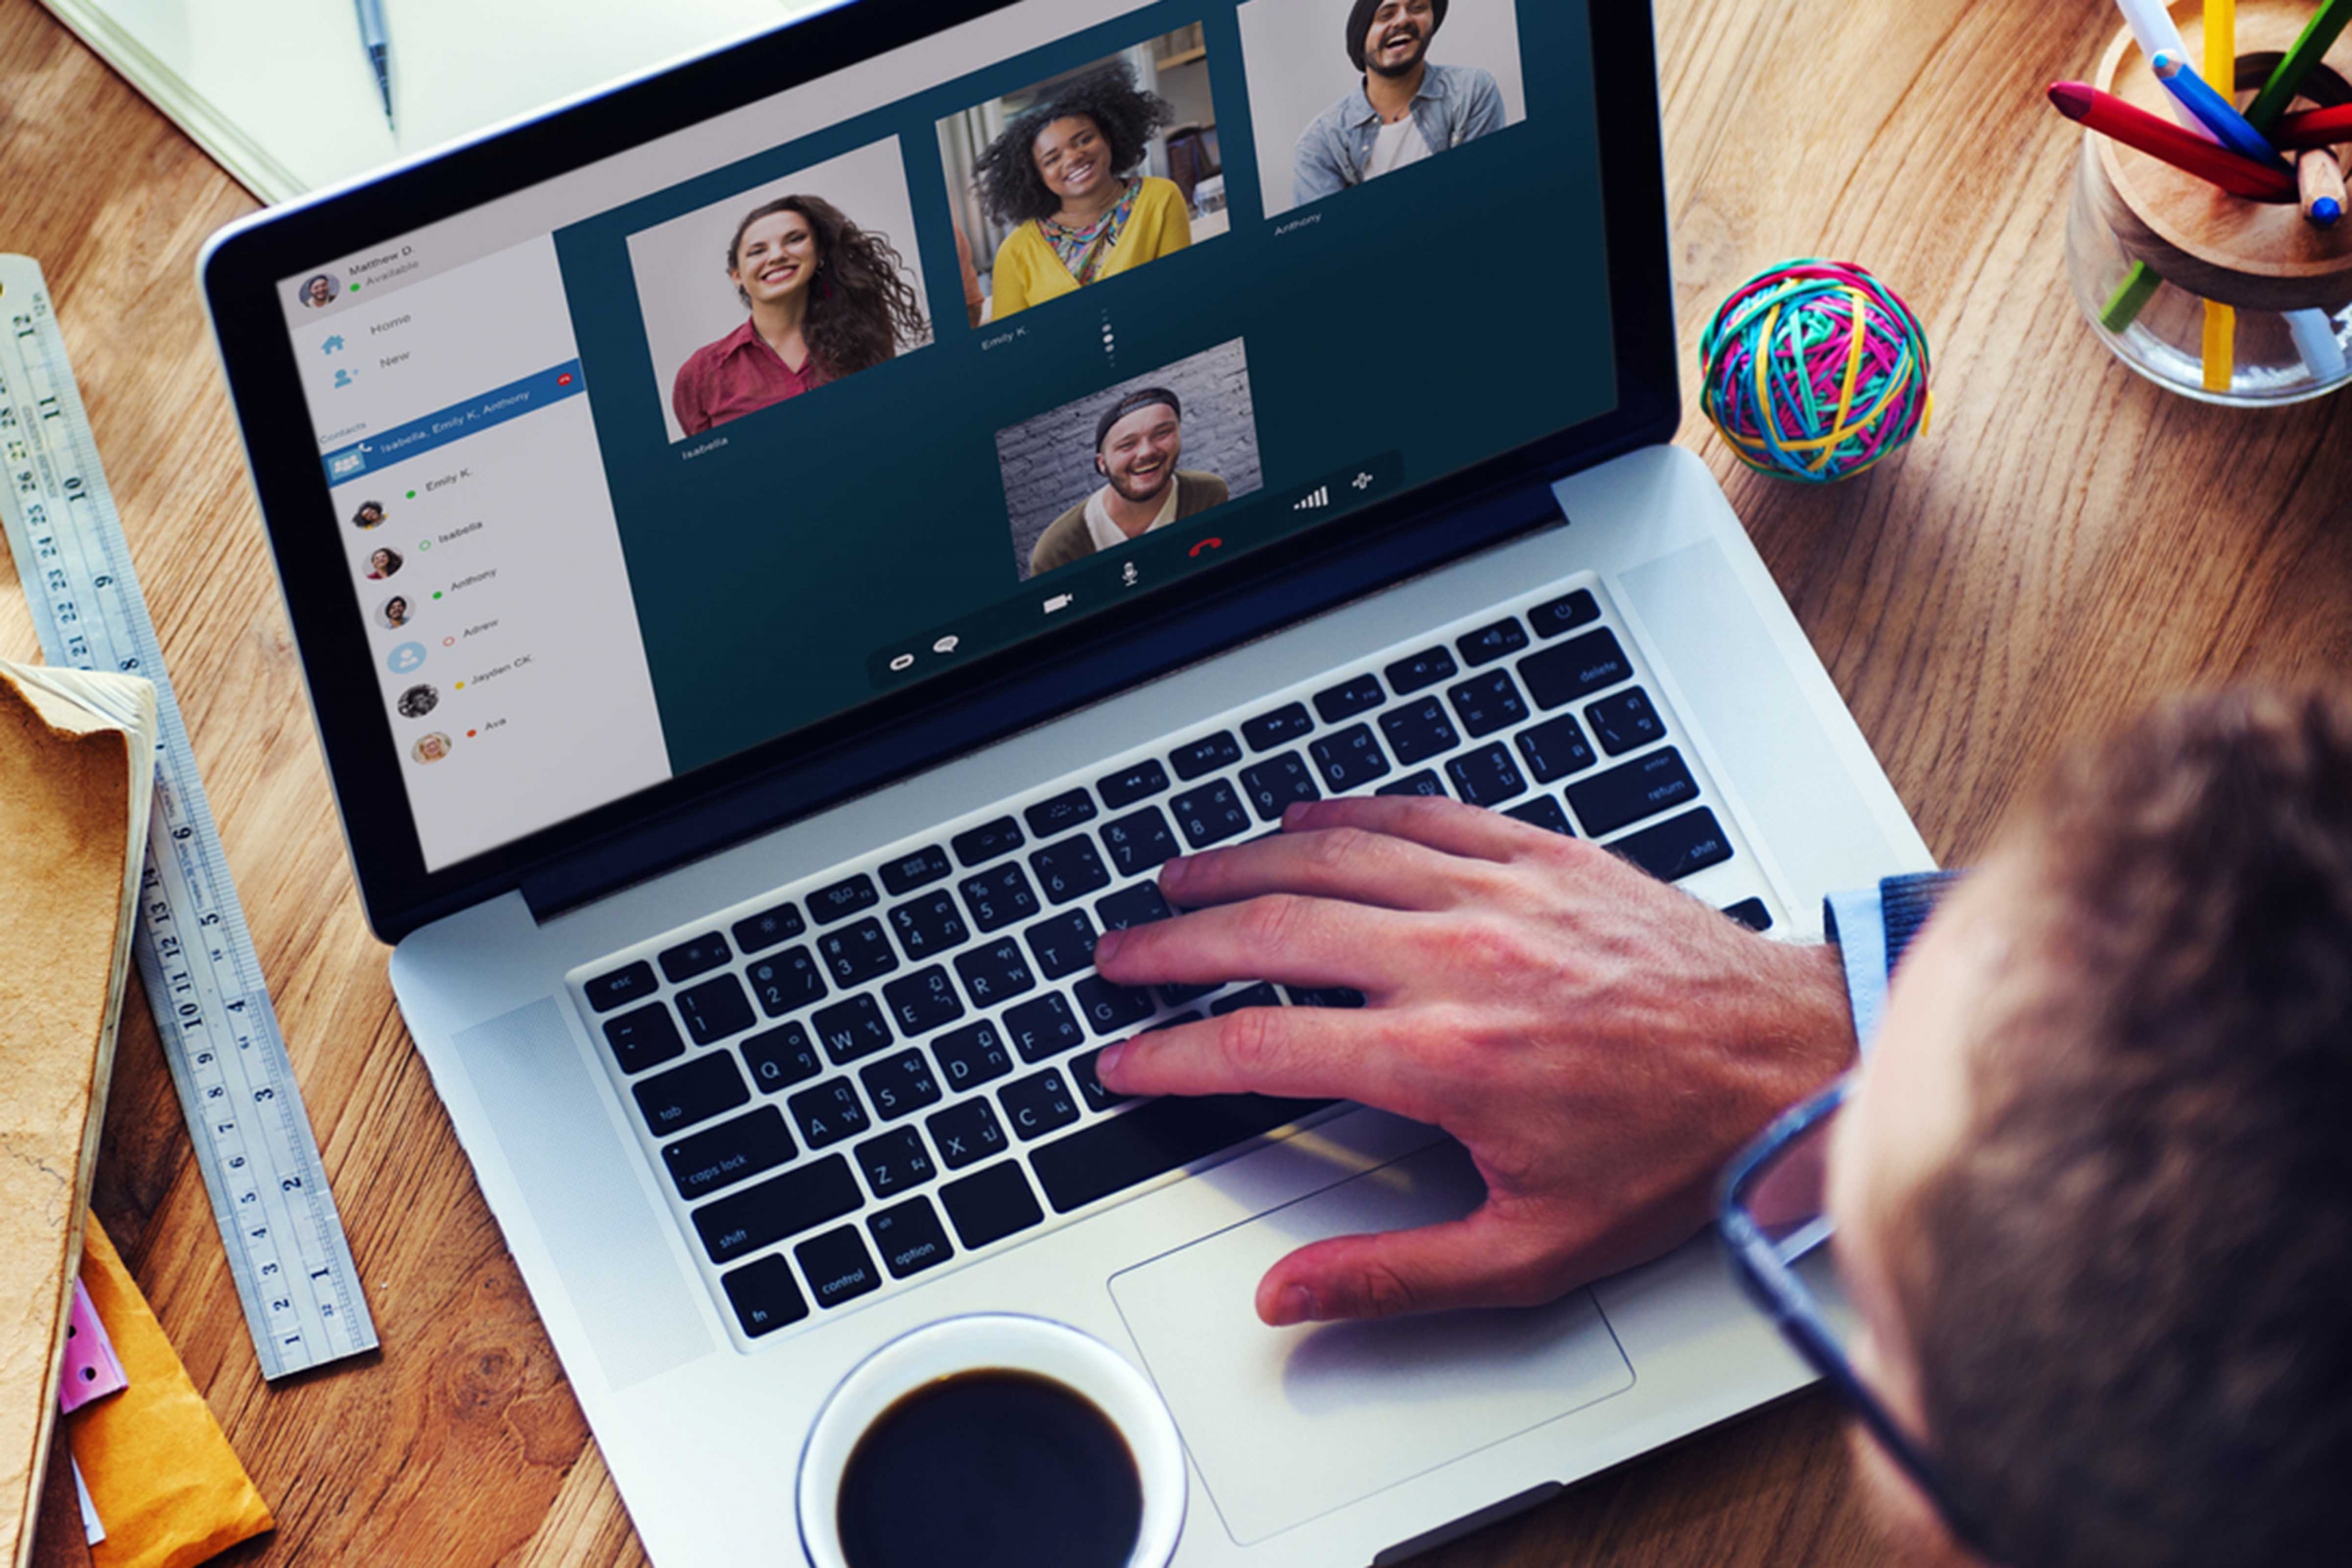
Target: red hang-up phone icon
1211 543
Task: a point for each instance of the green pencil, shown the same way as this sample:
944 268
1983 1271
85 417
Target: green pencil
2279 91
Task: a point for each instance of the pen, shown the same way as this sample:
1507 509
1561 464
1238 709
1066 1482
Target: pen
2219 114
380 52
2135 126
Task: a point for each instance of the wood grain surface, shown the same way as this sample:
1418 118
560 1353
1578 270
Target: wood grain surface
2066 543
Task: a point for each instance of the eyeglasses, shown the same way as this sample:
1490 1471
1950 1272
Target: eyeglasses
1772 1216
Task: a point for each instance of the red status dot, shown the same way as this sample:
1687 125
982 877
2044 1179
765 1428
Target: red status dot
471 733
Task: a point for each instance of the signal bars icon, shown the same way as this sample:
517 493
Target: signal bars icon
1315 500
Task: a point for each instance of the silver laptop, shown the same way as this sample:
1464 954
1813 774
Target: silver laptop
784 549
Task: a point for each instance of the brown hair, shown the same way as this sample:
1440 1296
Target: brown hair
2132 1305
862 309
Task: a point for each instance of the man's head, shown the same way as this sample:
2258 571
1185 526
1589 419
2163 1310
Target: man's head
1389 37
2094 1194
1139 441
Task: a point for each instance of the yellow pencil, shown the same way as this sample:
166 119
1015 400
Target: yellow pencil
2220 70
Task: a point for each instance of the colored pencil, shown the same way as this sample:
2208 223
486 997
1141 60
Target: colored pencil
2152 24
2313 128
2220 116
2287 79
2220 81
2135 126
2321 179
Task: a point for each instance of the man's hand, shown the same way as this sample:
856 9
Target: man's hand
1599 1041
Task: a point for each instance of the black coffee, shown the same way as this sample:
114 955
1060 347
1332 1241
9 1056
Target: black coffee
990 1470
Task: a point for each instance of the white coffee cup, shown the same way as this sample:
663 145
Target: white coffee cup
996 1342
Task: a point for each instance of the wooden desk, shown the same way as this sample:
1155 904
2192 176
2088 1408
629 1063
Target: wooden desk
2067 542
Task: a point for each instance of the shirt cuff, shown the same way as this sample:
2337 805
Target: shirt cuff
1855 922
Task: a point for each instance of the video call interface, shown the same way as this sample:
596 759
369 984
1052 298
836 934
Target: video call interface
1072 307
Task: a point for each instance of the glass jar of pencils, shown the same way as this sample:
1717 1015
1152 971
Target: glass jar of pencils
2217 297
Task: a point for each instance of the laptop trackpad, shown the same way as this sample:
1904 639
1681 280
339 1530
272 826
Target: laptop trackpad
1286 1423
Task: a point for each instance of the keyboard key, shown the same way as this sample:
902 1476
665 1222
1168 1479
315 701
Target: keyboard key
1751 913
1555 749
929 926
923 1000
1139 841
1109 1009
1348 698
1418 730
986 841
1328 997
1137 905
635 983
1564 615
1490 643
852 1029
1137 780
1271 729
698 956
767 928
909 1237
966 1131
990 1205
972 1055
1544 812
715 1010
1153 1139
1205 755
843 900
1349 760
1677 847
856 954
900 1085
1426 667
1488 703
1043 1028
643 1038
995 972
1625 722
1070 870
788 982
781 1057
1630 791
1067 809
1064 945
1179 996
761 1216
1038 1104
827 1114
1276 782
896 1162
1178 1021
1573 669
998 897
920 869
1423 782
1210 813
702 1089
765 1296
731 1152
1486 776
1090 1086
838 1266
1260 995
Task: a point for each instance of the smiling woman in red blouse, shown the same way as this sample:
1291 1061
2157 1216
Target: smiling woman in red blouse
827 299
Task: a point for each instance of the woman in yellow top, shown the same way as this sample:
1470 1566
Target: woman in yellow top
1068 174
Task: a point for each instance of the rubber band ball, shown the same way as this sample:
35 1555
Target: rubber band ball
1814 371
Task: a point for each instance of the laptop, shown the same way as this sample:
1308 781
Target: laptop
776 573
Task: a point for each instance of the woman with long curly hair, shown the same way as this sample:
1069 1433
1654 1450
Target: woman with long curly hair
1068 173
827 299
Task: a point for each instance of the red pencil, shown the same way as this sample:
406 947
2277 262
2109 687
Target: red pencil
2110 116
2313 128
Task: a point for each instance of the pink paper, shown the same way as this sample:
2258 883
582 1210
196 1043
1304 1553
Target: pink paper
91 1370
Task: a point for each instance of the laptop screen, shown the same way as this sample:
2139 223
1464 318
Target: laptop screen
700 445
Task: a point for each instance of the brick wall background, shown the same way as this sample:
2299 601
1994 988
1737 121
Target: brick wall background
1048 461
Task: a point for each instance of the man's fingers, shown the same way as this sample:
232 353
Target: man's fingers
1483 1261
1300 941
1430 820
1379 869
1294 1053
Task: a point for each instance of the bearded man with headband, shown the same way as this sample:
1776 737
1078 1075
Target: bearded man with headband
1404 108
1138 444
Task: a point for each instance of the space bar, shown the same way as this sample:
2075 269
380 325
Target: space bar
1152 1140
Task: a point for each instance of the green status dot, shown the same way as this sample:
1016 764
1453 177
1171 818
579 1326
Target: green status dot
425 544
411 495
436 596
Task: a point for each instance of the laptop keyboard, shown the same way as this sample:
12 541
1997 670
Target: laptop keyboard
858 1080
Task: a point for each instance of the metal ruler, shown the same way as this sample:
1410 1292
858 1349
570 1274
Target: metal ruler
287 1250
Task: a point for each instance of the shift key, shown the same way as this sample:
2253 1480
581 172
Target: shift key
761 1216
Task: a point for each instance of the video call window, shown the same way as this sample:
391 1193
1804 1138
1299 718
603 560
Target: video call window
781 289
1151 451
1092 172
